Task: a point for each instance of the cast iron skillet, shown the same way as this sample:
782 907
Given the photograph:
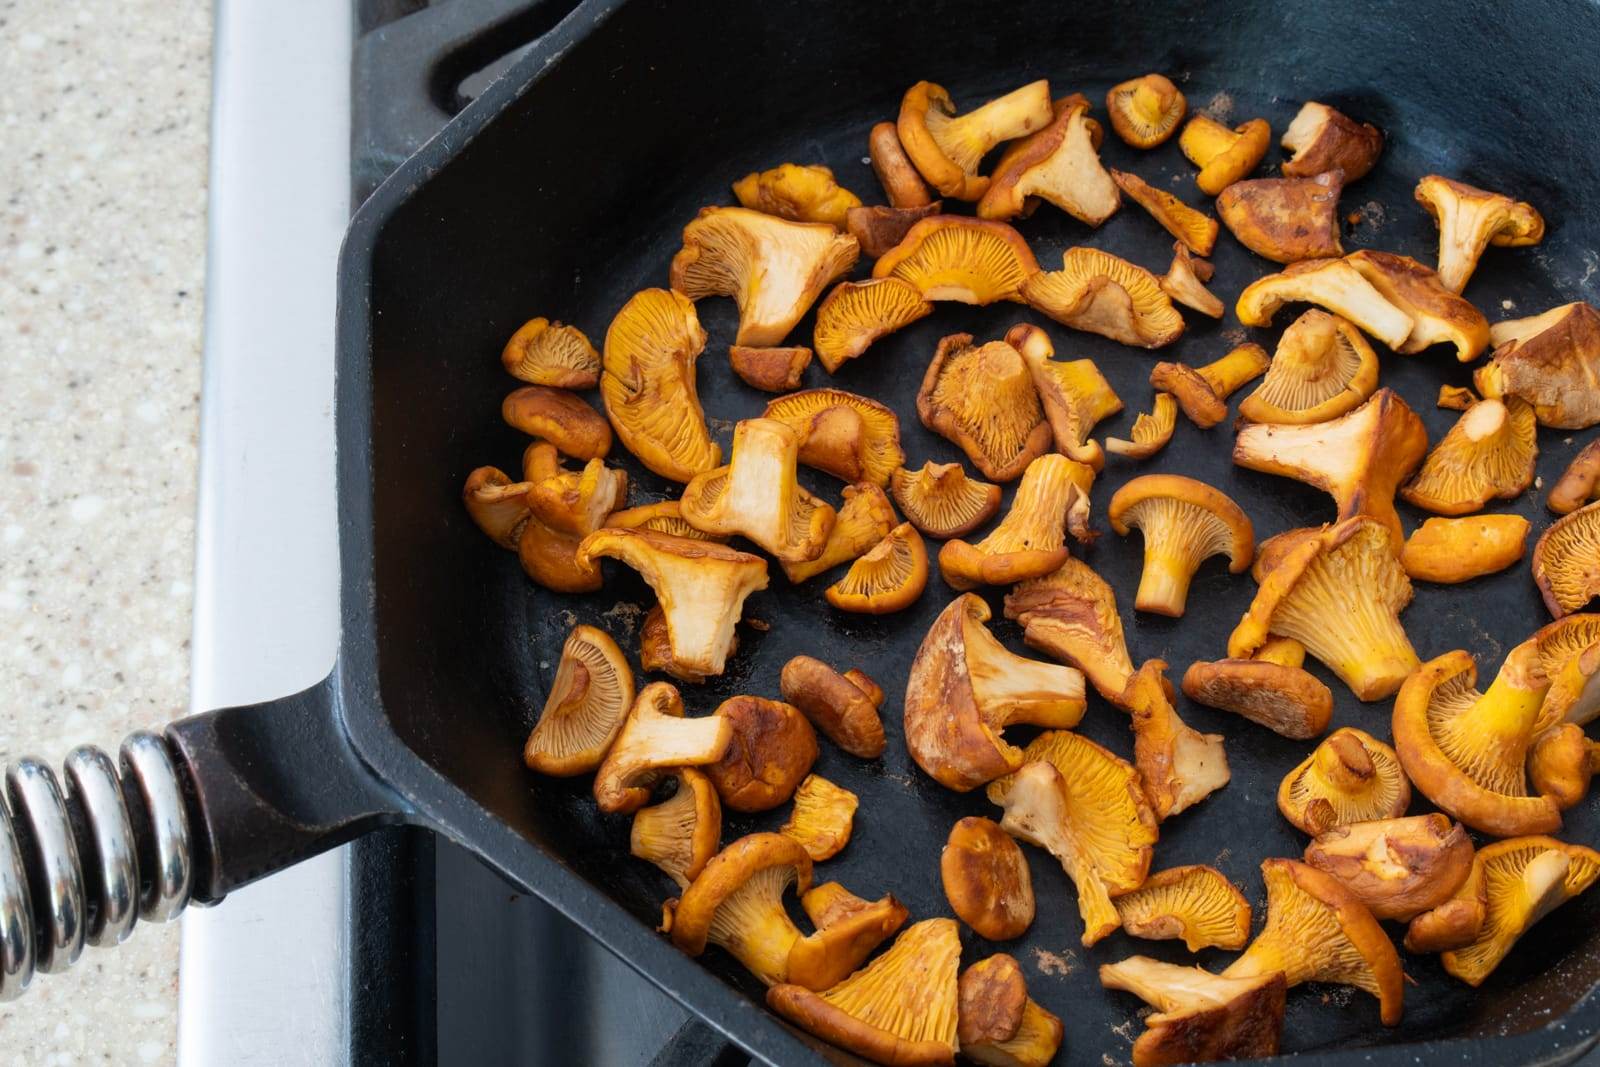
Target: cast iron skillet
563 190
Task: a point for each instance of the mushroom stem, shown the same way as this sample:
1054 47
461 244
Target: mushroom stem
1502 720
1164 583
1239 366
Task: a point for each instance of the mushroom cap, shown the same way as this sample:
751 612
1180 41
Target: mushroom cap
798 193
1552 361
1195 903
1203 407
589 698
941 501
992 995
1200 1017
648 384
655 740
1525 878
1184 523
1285 219
1578 483
947 147
773 268
888 577
1146 110
771 749
1151 430
1185 282
550 558
1287 700
500 506
1438 316
855 314
1075 395
578 502
1031 540
1487 455
542 352
1059 164
964 688
1195 230
1398 868
1562 764
1350 777
700 585
986 879
1223 155
683 832
835 704
1465 750
1458 550
758 494
878 229
1566 561
1359 459
983 400
563 418
1318 931
1098 292
896 173
845 434
1071 615
772 370
901 1008
1322 138
737 902
1470 219
822 817
952 257
664 516
1179 765
863 520
848 930
1322 369
1329 283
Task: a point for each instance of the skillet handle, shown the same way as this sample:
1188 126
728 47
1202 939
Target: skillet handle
223 798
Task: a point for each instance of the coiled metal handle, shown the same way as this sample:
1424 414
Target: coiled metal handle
81 864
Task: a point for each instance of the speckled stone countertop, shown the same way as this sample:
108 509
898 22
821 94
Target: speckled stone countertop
103 133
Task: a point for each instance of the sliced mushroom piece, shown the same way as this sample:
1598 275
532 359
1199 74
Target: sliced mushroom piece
1195 230
1179 765
1184 523
1579 484
1466 750
1398 868
773 268
1329 283
1350 777
758 495
560 417
855 314
1058 164
965 688
1196 904
1085 807
1287 700
1145 111
1075 394
1185 282
836 704
1526 878
1449 551
1200 1017
1285 220
682 833
648 384
901 1008
1470 219
1318 931
1000 1025
986 879
1203 392
1321 139
941 501
499 506
798 193
1438 316
1224 156
771 749
772 370
542 352
1552 361
655 740
664 516
879 229
1322 369
982 399
844 434
888 577
1097 292
822 817
701 587
1566 561
947 147
1071 615
1031 540
896 173
970 261
1487 455
1359 459
1562 764
1151 430
589 698
864 519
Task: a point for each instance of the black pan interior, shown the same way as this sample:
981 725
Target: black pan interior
573 199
